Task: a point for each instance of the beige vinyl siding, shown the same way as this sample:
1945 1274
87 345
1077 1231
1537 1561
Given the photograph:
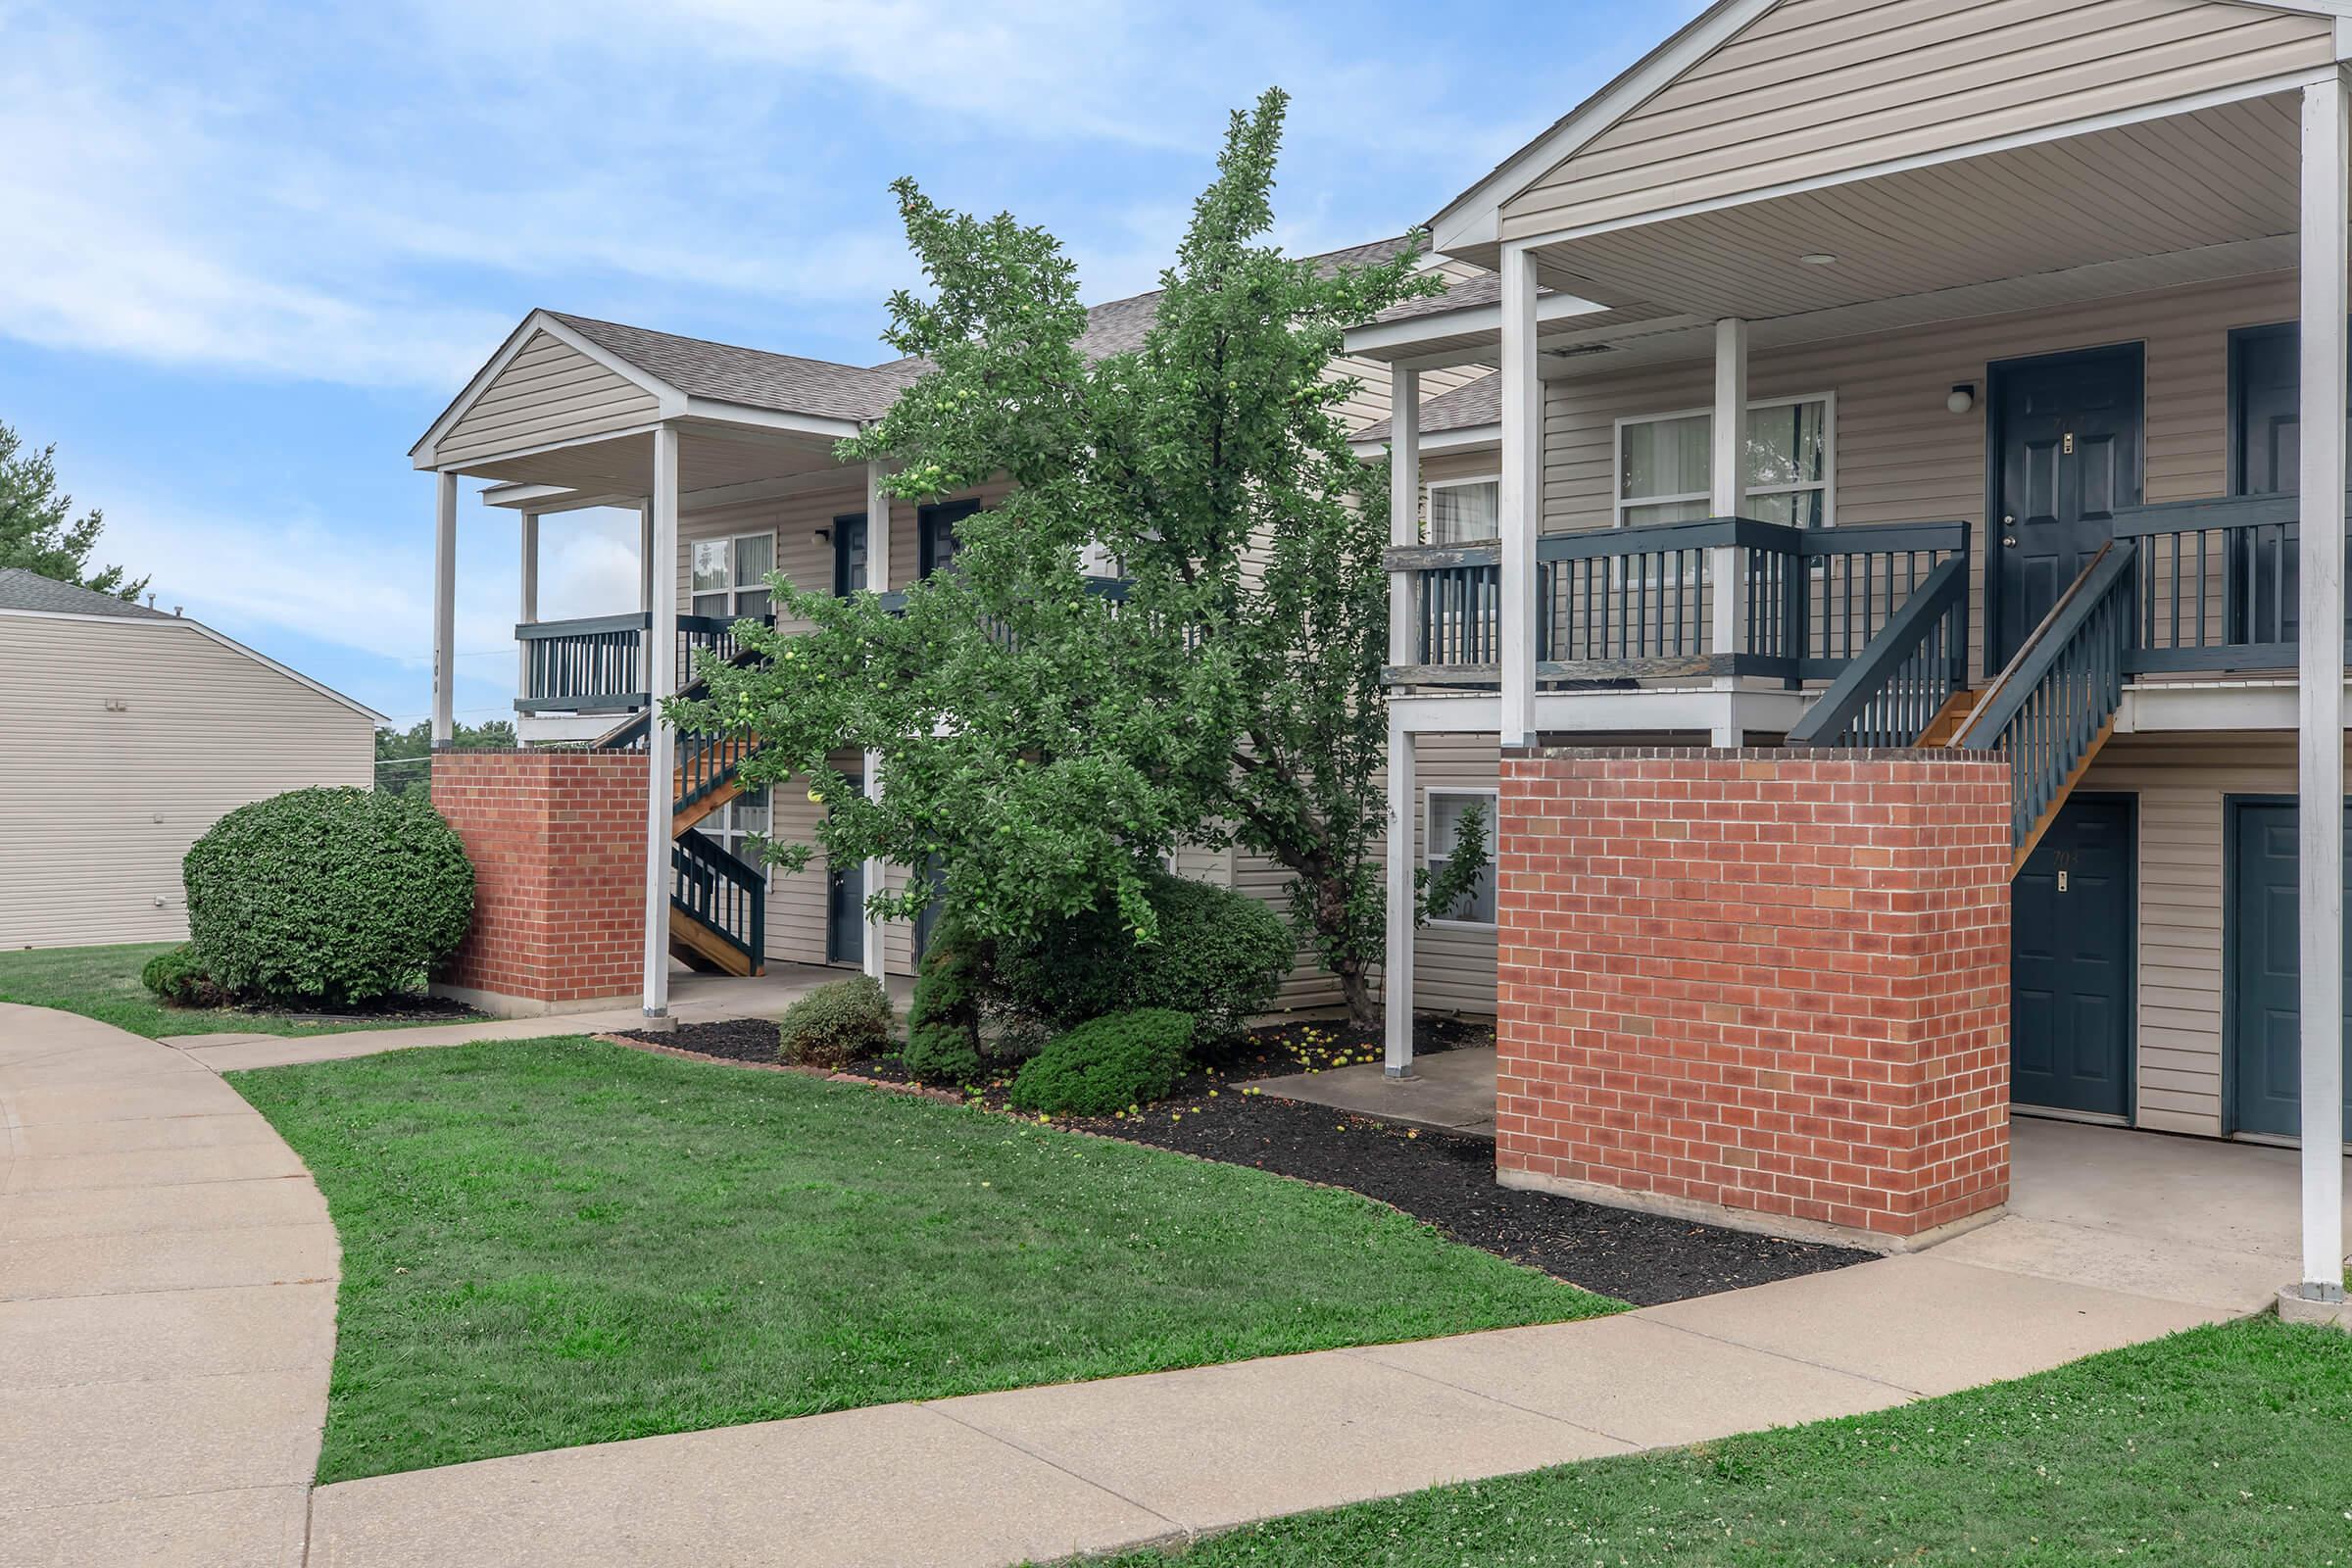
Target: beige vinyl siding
549 391
98 807
2182 784
1453 964
1900 455
1817 88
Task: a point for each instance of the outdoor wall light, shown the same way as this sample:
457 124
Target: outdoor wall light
1961 398
824 536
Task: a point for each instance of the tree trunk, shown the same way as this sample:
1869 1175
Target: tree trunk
1355 990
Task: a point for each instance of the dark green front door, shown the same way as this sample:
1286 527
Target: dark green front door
2266 1012
2070 1036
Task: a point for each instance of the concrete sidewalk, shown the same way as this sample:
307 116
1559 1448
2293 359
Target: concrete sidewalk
167 1309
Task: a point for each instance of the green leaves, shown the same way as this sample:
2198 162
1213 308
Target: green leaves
37 530
1052 745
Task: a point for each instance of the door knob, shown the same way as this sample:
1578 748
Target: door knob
2008 541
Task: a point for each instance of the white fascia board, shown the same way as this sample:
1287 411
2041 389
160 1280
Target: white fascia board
711 410
1469 438
423 455
530 497
1376 336
185 623
1475 218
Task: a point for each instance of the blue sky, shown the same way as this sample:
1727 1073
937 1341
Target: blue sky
248 251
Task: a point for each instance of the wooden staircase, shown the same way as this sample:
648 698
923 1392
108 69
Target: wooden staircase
717 901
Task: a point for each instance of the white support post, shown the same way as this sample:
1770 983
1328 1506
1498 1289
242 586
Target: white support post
2321 777
878 577
645 554
1404 504
1521 496
660 738
445 610
1397 965
528 612
1727 469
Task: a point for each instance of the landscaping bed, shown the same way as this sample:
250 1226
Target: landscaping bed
1445 1179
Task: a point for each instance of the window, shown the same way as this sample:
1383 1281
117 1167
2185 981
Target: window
1464 511
1444 826
935 534
1665 465
849 555
729 576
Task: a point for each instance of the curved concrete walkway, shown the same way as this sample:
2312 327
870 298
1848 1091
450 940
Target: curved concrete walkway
167 1309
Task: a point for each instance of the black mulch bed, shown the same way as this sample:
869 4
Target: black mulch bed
1444 1179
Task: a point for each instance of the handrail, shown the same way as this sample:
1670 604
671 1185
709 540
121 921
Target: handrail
1892 693
720 891
2056 703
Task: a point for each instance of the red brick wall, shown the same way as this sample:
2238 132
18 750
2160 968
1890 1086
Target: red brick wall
1774 980
557 844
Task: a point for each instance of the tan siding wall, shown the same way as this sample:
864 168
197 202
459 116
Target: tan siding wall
98 808
2182 784
1900 455
548 392
1454 966
1819 87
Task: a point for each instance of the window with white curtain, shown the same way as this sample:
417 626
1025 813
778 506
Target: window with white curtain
1444 826
1665 463
1464 511
728 578
735 826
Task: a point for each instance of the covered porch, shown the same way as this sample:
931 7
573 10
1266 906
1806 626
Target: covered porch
1664 257
726 456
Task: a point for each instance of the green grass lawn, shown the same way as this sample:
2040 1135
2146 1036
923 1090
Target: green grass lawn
558 1241
2217 1448
103 983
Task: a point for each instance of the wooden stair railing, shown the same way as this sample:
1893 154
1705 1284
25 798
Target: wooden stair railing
2055 704
1905 681
717 909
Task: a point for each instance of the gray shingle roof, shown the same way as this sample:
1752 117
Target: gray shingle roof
21 589
1466 407
788 383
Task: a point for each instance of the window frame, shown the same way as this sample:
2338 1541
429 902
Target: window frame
736 587
1429 837
1430 488
1826 484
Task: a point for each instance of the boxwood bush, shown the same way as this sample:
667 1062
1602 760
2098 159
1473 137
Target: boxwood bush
1107 1064
329 895
179 976
835 1024
1220 956
943 1022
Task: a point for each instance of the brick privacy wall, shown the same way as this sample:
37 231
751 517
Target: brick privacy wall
557 844
1774 980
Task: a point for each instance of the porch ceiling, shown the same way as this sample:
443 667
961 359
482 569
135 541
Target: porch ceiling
622 465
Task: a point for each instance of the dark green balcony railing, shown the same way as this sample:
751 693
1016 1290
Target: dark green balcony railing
598 666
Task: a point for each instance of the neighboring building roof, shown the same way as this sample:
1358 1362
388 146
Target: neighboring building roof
29 593
1472 406
21 589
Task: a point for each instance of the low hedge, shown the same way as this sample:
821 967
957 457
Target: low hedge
836 1024
1220 956
336 895
1107 1064
179 977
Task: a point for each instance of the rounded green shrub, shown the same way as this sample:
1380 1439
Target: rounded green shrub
836 1024
1107 1064
943 1022
333 895
179 977
1220 956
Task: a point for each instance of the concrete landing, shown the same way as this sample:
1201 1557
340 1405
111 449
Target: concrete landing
166 1308
1452 1091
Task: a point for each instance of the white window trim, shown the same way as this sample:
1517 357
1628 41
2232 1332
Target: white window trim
738 587
1828 483
1429 822
1430 487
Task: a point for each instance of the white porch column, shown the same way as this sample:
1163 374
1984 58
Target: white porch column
1726 469
1396 968
528 612
2321 777
645 554
445 609
878 577
1520 497
1404 504
661 739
